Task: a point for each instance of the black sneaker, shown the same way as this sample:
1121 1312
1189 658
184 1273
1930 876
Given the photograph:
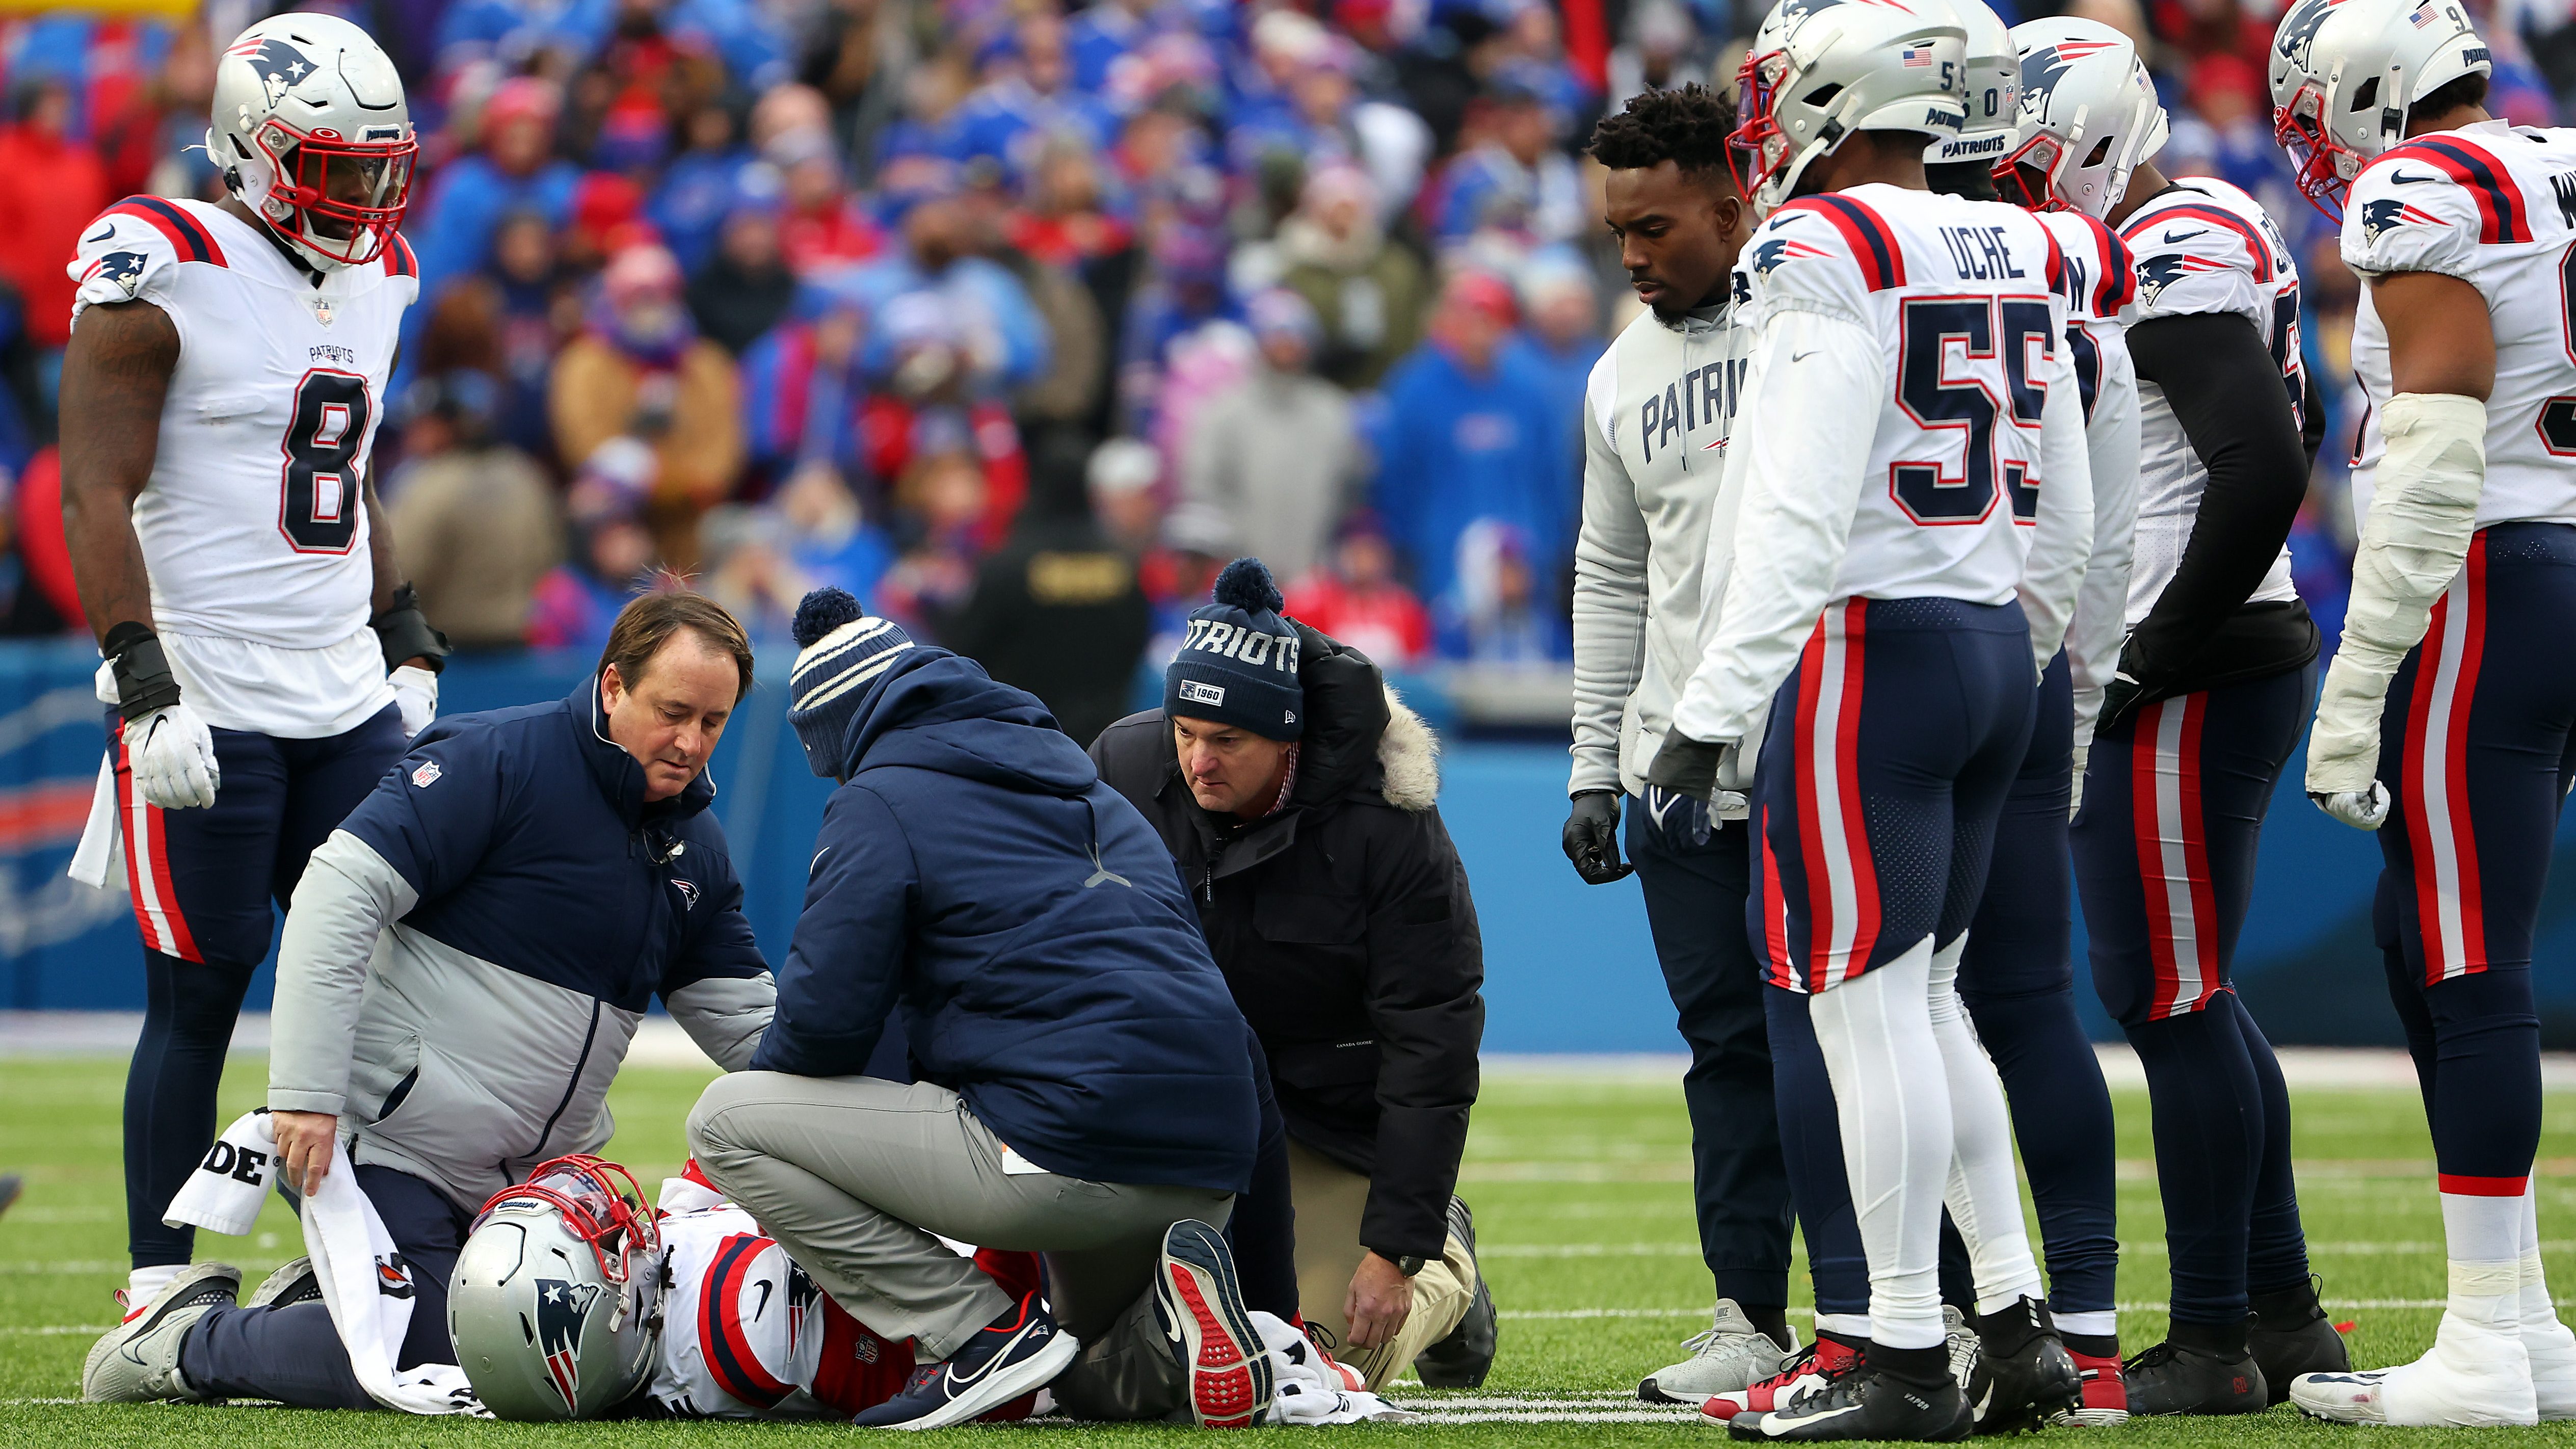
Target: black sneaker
2023 1373
1210 1331
1869 1404
295 1283
1021 1351
2173 1379
1462 1360
2289 1335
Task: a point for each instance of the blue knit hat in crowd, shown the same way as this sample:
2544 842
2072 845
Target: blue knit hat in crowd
841 648
1237 664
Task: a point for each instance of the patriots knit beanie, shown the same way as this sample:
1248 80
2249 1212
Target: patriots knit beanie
840 649
1237 664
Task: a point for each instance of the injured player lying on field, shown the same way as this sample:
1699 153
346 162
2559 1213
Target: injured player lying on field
572 1301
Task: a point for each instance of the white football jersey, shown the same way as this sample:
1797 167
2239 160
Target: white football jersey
252 525
745 1334
2202 246
2495 206
2101 292
2100 286
1965 299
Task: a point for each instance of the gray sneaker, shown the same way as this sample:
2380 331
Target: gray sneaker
138 1361
1958 1336
1731 1355
295 1283
1462 1360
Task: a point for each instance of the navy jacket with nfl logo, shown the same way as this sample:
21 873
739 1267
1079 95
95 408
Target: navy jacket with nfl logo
467 957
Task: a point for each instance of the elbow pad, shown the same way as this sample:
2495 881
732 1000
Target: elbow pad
2412 546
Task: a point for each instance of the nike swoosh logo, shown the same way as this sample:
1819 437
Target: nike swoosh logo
2171 237
963 1381
817 862
2399 176
1822 1416
1985 1401
763 1306
104 233
1803 356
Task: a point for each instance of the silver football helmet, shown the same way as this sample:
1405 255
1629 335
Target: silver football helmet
311 130
556 1304
1819 71
2089 115
1992 95
2345 72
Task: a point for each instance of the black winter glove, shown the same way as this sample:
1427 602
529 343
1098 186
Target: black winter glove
1689 766
2130 682
403 631
1592 838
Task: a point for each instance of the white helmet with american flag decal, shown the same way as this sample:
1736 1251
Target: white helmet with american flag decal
556 1303
1821 69
2345 73
2089 115
311 130
1992 93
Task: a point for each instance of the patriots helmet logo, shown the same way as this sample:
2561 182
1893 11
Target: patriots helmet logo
281 67
1769 255
2159 272
562 1308
393 1275
2388 213
2043 68
125 269
2299 30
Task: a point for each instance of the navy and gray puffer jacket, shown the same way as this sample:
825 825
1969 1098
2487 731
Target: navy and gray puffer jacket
975 873
529 906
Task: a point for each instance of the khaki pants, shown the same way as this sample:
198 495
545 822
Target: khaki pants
1330 1199
853 1175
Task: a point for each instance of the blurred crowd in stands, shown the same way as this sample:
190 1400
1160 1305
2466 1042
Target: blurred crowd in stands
1003 316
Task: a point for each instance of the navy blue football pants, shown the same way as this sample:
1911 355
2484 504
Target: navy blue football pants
1695 904
293 1354
202 881
2017 979
2174 798
2478 748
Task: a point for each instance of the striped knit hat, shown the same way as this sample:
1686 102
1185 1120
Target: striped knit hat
842 649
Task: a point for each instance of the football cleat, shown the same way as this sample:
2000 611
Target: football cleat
2473 1377
1728 1356
1868 1404
137 1361
2289 1335
1021 1351
2023 1375
2170 1378
1812 1367
2105 1404
1210 1331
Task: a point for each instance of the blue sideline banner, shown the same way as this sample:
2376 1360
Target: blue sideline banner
1569 968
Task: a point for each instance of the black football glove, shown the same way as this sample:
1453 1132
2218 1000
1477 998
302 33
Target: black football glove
2131 682
1689 766
1592 838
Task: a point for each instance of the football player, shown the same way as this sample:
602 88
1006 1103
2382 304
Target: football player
2201 714
2445 714
1657 414
220 395
1873 593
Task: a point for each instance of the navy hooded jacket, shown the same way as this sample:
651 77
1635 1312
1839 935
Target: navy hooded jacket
975 872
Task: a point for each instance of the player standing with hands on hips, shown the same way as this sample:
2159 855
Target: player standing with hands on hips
2444 720
1657 414
1874 594
220 397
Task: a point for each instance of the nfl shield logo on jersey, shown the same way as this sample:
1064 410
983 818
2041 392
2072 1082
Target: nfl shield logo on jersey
426 776
321 309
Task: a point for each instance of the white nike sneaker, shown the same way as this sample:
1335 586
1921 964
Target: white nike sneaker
2473 1377
137 1361
1727 1357
2552 1350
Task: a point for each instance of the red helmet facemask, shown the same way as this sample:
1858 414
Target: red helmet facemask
2320 178
343 199
586 1190
1758 148
2040 156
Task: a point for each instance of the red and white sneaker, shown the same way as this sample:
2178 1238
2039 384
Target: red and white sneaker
2106 1396
1816 1365
1210 1331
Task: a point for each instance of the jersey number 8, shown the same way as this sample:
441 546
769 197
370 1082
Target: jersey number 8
319 510
1927 492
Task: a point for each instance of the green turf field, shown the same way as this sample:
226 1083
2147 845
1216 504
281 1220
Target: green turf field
1581 1190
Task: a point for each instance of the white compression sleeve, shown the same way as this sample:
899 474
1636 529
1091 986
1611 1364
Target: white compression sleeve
2062 539
1875 1030
2422 514
1983 1194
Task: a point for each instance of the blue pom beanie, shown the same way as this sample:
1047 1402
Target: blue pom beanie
841 649
1238 663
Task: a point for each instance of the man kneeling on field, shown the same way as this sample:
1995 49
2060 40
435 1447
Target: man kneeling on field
1084 1083
466 959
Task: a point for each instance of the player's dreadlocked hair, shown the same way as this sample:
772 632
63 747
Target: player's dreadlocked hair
1687 127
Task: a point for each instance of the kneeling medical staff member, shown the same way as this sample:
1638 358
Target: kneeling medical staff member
464 964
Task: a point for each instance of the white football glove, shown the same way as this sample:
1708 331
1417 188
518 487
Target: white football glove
416 695
173 758
2360 809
